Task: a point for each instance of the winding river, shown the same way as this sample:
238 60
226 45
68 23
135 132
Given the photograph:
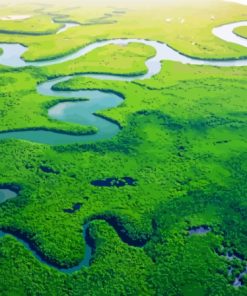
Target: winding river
66 26
83 112
28 245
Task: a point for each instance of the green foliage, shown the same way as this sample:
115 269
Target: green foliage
183 140
114 59
185 25
241 31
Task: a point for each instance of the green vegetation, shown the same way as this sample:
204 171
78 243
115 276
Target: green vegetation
185 25
18 87
187 167
38 25
183 142
115 59
241 31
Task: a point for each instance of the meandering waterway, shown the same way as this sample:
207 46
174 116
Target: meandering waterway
83 112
